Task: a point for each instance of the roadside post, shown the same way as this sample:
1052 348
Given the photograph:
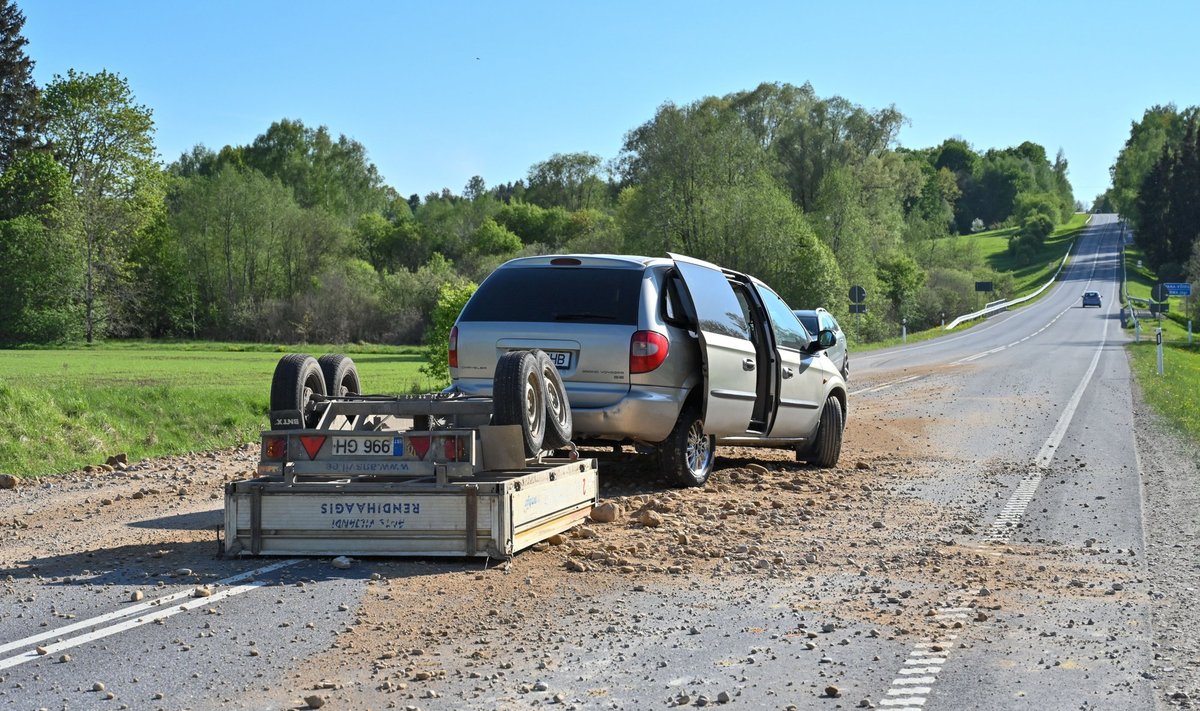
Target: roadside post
1158 340
904 330
1137 331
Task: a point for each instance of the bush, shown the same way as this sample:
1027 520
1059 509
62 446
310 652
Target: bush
1036 227
451 300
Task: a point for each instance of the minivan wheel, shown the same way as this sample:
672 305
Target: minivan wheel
827 447
559 425
686 455
519 398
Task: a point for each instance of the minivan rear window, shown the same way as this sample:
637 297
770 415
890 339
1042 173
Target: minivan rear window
565 295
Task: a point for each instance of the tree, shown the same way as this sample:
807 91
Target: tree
335 176
567 180
1160 126
39 269
106 143
20 120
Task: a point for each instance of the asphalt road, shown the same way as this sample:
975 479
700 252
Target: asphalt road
1036 429
1022 428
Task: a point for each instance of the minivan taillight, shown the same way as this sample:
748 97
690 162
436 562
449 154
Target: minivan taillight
647 351
454 347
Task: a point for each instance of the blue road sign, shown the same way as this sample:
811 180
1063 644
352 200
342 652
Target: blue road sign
1178 288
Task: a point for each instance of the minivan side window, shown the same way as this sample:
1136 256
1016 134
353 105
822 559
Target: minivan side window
675 309
789 332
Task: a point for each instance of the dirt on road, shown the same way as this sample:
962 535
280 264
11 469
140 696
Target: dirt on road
851 546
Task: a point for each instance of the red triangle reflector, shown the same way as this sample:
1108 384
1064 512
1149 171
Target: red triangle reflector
312 444
420 445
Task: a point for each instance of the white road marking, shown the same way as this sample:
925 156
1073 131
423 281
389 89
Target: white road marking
161 613
915 680
884 386
1018 504
918 690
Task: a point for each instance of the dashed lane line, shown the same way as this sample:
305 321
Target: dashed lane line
101 631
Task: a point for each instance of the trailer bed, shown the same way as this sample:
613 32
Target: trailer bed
484 514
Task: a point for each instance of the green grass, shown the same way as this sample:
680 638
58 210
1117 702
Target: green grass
64 408
1172 394
1028 277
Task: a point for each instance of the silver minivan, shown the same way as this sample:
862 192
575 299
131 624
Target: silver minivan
671 354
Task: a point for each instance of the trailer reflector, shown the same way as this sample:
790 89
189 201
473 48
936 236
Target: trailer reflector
312 444
420 445
275 448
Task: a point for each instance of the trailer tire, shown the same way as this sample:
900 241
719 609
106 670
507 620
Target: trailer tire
519 398
686 456
827 447
559 424
297 378
341 375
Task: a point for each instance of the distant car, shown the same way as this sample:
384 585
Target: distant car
817 320
1091 298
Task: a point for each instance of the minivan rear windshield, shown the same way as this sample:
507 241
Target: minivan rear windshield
549 294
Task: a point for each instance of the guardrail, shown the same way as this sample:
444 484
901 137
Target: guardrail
1002 305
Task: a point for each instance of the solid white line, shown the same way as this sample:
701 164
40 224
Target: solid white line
161 613
1060 430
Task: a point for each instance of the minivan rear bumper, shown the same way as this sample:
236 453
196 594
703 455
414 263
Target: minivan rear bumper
646 413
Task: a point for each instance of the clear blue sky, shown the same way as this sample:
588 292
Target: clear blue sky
439 92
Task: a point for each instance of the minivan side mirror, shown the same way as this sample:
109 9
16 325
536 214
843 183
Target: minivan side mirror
825 339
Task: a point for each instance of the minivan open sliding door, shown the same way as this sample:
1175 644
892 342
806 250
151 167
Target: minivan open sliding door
730 359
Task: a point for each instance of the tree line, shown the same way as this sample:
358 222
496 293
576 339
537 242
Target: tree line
1156 188
297 237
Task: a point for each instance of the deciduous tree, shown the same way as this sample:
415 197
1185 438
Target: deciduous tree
106 143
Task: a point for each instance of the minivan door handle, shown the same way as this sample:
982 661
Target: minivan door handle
787 373
747 364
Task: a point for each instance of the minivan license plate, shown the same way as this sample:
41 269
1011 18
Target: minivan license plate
561 359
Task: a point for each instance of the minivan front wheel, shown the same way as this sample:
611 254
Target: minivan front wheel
686 455
828 445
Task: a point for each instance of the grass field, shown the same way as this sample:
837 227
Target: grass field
61 409
1028 277
1174 393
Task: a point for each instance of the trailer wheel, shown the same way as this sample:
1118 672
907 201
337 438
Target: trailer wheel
558 410
297 378
341 376
519 398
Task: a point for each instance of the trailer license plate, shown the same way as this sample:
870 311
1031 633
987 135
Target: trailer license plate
358 446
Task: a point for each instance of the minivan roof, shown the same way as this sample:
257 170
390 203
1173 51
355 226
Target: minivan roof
616 261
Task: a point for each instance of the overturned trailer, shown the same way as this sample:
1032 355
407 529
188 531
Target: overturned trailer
430 475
